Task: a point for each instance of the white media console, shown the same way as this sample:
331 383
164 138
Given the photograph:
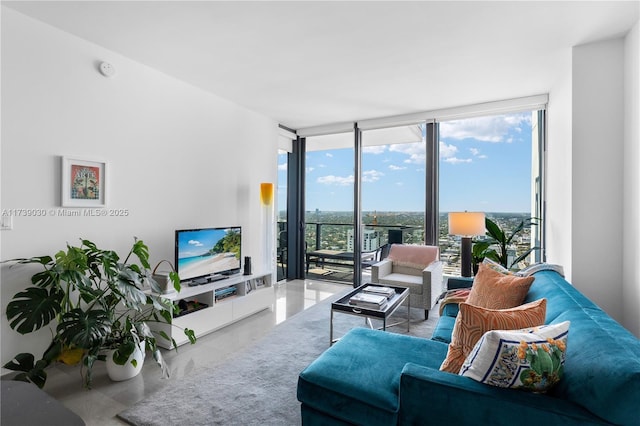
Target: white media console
228 300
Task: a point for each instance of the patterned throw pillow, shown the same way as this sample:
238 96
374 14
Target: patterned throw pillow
529 359
473 321
494 290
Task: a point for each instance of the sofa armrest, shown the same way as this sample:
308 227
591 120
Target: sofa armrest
432 275
458 400
459 282
381 269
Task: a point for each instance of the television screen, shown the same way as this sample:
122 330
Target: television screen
205 252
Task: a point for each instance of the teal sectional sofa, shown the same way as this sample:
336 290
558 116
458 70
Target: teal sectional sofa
371 377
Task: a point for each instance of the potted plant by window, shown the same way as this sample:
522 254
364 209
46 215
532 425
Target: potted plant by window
500 239
94 302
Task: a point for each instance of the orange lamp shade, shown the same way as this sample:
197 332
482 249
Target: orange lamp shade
266 193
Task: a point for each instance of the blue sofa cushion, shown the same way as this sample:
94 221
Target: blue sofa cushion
357 380
602 366
444 329
559 293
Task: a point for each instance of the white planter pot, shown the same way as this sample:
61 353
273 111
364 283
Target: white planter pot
118 373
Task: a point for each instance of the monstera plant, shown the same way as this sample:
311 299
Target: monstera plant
92 301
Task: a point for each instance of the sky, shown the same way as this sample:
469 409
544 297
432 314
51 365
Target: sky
198 242
485 165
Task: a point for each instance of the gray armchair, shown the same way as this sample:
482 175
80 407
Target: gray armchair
417 267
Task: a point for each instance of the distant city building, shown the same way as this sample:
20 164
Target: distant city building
370 240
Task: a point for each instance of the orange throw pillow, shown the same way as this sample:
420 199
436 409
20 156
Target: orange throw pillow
493 290
473 321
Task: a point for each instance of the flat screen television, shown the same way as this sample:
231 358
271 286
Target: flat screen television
202 255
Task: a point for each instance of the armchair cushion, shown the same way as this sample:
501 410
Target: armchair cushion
413 256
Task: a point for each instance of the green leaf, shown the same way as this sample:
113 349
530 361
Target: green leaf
494 231
175 279
86 330
142 251
191 335
544 362
32 309
123 352
21 362
523 256
47 278
30 371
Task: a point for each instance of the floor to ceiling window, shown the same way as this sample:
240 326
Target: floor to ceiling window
489 164
281 209
329 191
393 188
398 177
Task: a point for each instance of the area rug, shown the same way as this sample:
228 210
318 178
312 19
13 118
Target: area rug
258 386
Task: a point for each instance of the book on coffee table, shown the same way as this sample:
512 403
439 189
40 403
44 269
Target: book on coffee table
368 300
384 291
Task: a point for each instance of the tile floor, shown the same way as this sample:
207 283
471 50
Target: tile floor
99 406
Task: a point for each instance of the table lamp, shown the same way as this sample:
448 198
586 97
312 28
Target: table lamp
467 225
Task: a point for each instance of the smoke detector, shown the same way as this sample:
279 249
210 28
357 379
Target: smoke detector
107 69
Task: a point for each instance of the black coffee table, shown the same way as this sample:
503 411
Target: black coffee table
342 305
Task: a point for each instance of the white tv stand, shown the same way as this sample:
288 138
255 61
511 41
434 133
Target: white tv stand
247 298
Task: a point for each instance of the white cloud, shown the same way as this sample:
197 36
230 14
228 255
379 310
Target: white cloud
336 180
476 153
380 149
455 160
328 154
195 243
448 154
394 167
488 129
371 176
367 176
310 169
447 151
415 151
282 167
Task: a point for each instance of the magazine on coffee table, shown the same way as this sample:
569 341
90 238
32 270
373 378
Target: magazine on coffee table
368 300
388 292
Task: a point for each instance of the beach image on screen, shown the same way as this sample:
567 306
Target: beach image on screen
208 251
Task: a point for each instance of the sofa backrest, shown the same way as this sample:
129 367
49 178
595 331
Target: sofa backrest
602 366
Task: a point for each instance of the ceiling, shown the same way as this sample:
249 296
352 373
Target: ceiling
306 63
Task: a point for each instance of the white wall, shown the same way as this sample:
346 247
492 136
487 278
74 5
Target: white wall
597 172
558 172
631 183
179 157
593 183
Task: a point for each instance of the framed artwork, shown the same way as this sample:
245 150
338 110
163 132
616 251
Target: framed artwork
83 182
260 282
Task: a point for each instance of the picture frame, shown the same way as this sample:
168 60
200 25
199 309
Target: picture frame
84 182
248 287
260 282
